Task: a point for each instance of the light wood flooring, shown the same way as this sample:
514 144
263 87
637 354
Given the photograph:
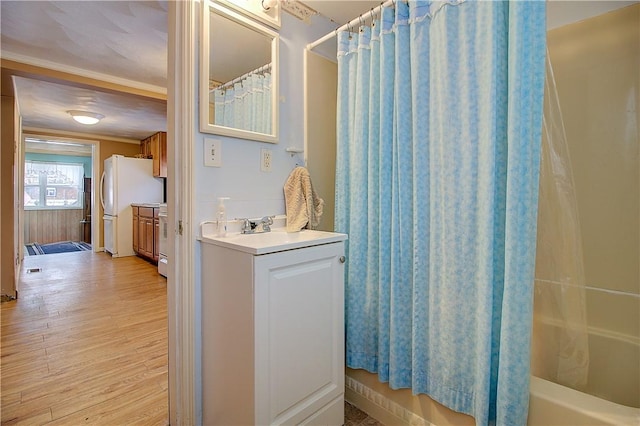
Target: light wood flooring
85 343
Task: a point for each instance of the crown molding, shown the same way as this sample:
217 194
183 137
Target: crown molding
136 87
79 135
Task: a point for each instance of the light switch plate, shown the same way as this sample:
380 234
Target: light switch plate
212 152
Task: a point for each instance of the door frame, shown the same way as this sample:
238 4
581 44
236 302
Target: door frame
95 185
181 123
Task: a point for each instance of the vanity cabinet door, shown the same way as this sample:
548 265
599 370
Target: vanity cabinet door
299 332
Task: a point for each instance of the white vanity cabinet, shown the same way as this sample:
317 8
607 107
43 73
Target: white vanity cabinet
273 333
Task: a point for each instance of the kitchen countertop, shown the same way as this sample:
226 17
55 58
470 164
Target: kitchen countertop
155 205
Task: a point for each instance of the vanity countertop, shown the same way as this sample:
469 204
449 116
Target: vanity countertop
276 240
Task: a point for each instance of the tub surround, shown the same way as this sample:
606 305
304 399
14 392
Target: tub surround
596 68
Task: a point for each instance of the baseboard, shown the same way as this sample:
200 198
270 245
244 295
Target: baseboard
379 406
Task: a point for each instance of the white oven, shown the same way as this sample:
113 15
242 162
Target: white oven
162 241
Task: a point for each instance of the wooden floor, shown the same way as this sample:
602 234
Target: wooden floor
85 343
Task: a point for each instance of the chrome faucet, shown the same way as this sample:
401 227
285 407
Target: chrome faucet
257 226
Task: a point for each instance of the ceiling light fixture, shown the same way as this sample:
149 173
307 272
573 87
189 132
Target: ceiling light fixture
85 117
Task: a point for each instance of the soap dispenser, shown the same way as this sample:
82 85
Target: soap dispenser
221 218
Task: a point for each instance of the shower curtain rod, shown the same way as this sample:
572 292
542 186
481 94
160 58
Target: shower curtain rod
242 77
349 24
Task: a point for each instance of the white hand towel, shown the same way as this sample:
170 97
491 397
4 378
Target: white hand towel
304 207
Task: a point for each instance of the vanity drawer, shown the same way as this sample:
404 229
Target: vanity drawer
146 211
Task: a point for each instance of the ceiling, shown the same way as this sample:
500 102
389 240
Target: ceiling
122 43
226 39
125 43
44 105
343 11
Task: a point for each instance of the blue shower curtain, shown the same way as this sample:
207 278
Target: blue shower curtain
245 104
439 130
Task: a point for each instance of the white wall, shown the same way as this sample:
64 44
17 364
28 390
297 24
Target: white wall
254 193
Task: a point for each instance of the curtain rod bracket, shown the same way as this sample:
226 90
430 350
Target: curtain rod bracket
348 25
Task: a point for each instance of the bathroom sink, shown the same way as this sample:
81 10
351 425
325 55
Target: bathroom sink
276 240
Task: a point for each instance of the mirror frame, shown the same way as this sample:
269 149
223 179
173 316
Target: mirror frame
210 6
253 9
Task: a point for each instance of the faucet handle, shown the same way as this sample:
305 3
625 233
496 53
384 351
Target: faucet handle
267 221
249 226
246 225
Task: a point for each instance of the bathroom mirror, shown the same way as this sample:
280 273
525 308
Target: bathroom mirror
238 76
265 11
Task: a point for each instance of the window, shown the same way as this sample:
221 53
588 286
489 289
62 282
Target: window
53 185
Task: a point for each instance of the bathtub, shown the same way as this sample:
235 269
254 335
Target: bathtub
614 373
552 404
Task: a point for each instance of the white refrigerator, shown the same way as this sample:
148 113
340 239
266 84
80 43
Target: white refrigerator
124 181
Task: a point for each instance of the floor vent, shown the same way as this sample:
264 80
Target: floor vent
6 298
32 270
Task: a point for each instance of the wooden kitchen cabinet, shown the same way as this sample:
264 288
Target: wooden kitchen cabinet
156 235
155 147
148 238
146 232
145 148
136 227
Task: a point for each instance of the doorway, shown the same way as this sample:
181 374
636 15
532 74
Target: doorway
58 186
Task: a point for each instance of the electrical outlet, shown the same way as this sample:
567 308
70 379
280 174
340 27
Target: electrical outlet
212 152
265 162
